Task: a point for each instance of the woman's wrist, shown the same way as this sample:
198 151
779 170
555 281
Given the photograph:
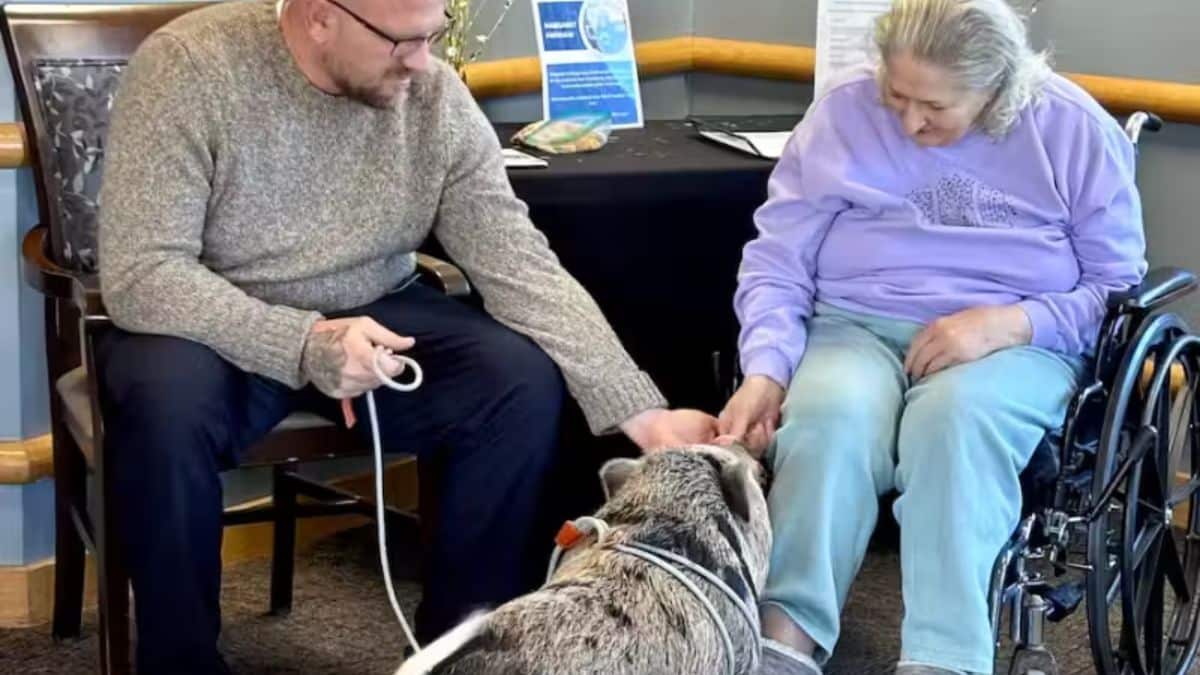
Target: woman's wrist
1020 326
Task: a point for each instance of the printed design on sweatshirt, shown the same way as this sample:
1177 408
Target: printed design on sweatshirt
960 200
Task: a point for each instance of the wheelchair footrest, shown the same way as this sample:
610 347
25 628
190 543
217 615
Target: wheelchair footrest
1063 599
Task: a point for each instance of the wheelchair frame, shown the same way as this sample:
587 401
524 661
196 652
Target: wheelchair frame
1107 510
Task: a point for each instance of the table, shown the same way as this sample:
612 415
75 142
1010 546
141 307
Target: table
653 226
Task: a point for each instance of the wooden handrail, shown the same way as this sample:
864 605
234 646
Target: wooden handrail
754 59
1172 101
1169 100
13 152
508 77
26 461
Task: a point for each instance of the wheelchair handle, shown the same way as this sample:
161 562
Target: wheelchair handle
1139 121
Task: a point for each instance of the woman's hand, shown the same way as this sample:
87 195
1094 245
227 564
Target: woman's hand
752 415
966 336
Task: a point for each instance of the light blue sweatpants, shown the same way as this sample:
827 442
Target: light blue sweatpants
953 445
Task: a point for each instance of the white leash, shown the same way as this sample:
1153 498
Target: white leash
663 560
380 509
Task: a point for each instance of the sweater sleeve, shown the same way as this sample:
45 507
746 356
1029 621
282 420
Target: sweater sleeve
776 286
486 229
1097 172
154 202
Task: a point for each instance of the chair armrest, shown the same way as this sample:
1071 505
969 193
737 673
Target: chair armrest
1161 286
444 275
50 279
40 272
86 294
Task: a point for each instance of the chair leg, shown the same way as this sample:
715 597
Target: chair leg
69 559
113 590
283 556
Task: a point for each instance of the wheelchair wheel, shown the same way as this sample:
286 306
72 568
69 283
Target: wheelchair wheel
1142 613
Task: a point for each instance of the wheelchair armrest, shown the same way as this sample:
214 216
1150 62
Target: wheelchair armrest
444 275
50 279
1161 286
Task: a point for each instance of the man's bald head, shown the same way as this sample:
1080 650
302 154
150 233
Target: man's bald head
368 50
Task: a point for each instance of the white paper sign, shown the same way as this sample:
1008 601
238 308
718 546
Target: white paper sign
844 30
588 62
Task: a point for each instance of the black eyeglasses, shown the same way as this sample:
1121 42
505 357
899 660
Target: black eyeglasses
409 43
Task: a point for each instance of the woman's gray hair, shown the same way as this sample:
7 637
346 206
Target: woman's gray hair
982 43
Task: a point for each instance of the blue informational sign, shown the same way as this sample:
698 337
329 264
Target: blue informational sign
588 62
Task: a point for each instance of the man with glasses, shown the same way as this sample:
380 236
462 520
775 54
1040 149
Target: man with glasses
271 171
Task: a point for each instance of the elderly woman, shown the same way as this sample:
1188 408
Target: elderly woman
931 268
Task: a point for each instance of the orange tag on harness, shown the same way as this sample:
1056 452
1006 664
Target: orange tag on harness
348 413
568 535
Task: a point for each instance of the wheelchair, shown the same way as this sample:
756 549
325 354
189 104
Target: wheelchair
1105 496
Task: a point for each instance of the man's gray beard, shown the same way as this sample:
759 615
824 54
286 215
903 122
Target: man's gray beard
371 97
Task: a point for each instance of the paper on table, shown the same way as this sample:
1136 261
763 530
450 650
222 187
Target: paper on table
766 144
515 159
844 36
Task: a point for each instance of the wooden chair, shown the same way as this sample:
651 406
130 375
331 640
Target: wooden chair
66 62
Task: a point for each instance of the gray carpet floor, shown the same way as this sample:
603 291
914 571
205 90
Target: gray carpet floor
342 623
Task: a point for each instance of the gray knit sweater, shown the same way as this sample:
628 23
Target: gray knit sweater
239 202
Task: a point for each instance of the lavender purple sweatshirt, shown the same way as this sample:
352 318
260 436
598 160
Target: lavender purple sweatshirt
862 218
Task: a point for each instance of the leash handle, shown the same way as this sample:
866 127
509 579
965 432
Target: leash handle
348 415
408 363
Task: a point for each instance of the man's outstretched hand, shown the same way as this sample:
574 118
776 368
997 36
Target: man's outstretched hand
658 428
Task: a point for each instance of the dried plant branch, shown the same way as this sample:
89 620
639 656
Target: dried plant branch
462 45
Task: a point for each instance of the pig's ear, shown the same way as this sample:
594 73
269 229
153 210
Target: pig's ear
738 483
615 472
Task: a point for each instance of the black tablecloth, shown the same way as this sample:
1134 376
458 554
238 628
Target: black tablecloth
666 161
653 225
